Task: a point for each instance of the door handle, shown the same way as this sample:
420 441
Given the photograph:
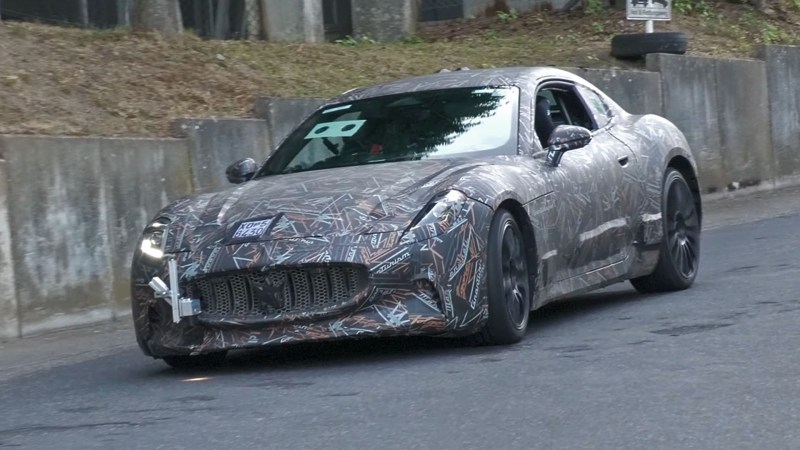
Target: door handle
623 161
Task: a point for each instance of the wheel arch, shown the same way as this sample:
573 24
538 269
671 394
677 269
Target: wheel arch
687 169
517 211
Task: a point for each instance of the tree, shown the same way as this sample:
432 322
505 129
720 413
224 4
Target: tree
162 16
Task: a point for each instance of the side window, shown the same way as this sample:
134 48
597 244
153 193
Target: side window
566 107
601 111
574 109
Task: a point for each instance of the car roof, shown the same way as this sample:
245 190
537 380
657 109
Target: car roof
507 76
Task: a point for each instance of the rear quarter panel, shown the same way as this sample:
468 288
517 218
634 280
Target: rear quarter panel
655 141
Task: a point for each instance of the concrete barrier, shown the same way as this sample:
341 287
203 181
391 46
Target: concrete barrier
638 92
284 114
75 208
9 316
141 176
59 238
783 71
746 144
216 143
721 107
688 86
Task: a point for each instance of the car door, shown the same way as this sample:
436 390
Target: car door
593 217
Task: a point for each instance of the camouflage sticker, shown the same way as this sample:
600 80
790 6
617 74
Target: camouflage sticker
331 254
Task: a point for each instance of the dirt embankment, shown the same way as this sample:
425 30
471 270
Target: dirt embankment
69 81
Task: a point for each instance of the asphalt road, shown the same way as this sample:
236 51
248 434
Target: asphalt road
716 366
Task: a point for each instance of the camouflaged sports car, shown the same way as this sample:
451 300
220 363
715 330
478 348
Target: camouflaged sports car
447 205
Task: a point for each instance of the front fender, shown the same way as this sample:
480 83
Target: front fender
518 179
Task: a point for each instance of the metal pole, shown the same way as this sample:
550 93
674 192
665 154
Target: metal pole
648 26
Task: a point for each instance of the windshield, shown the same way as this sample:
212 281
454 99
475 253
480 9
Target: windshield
403 127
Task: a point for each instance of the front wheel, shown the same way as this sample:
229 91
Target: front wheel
679 254
508 283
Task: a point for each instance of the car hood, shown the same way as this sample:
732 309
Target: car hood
348 200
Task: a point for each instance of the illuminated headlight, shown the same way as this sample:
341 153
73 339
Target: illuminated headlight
153 239
439 216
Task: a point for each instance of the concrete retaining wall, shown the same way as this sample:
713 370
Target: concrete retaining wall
216 143
783 72
746 144
721 106
141 176
75 209
9 323
638 92
283 114
59 236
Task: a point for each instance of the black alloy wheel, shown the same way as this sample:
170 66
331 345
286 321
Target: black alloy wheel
509 284
515 275
679 256
682 229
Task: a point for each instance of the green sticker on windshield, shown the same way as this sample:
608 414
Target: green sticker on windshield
340 128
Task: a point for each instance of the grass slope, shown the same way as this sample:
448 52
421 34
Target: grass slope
70 81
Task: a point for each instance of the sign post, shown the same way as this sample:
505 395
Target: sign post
649 11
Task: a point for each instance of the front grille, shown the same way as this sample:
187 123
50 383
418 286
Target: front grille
277 292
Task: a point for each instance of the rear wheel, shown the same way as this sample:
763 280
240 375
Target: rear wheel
508 283
203 361
680 248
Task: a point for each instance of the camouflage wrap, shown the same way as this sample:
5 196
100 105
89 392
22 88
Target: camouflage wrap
592 220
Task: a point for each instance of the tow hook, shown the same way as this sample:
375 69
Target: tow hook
181 306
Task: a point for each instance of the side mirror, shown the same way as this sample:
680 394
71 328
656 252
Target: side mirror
565 138
241 170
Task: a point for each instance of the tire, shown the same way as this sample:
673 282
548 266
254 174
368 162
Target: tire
679 251
508 283
203 361
636 45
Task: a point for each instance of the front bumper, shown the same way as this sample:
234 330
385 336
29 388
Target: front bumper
430 286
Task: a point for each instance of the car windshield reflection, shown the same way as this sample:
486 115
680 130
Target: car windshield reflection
403 127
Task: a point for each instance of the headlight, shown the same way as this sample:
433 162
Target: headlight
439 216
153 239
443 208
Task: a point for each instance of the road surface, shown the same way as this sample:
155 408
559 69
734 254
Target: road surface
716 366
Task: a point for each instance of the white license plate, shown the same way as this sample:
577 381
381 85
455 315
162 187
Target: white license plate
252 229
